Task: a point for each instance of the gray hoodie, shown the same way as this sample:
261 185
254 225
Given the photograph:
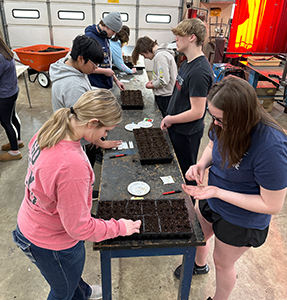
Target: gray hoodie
68 84
164 71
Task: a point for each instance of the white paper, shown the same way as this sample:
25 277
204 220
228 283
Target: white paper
167 179
125 145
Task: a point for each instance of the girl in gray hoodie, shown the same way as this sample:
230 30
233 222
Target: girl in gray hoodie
164 69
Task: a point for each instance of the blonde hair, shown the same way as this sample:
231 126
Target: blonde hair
100 104
189 27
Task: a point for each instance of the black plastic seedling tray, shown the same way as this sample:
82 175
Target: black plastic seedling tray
132 99
153 147
161 219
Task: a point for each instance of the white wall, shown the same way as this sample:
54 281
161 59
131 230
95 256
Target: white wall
49 29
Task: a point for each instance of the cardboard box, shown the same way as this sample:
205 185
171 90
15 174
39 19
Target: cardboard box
263 61
267 90
267 104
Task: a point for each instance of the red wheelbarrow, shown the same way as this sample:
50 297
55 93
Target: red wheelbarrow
39 58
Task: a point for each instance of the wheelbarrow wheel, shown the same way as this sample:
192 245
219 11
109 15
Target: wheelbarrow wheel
43 79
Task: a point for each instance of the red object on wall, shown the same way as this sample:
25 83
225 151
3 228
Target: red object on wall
192 13
259 26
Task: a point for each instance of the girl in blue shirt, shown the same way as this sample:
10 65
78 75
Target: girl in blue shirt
247 155
116 43
8 96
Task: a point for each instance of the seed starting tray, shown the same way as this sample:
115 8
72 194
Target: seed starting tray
161 219
132 99
153 147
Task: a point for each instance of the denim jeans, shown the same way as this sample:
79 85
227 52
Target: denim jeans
62 269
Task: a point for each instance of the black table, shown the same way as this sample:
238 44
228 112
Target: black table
118 173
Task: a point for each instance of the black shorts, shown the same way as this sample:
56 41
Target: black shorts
232 234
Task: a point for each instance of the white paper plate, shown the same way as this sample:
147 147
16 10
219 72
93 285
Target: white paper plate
138 188
131 127
145 124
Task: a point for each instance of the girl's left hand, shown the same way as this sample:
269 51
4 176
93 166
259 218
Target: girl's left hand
110 144
200 192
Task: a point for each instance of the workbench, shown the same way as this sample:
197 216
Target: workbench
272 74
118 173
20 70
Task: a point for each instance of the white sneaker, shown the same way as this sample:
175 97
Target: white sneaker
96 292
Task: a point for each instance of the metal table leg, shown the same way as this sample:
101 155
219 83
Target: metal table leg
28 95
186 273
106 274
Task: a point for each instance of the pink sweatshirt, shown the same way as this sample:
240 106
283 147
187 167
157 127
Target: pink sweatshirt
56 210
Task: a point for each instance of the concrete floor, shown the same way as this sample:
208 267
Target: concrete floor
262 272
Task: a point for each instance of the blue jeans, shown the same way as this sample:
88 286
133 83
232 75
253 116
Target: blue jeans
62 269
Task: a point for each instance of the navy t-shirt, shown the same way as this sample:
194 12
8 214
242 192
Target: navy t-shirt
8 78
264 164
194 79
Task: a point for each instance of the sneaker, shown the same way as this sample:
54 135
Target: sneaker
7 147
7 156
200 270
96 292
196 270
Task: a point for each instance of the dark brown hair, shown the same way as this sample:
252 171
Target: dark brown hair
241 112
123 35
143 45
5 51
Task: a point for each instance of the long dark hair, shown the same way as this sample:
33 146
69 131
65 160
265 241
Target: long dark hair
123 35
5 51
241 112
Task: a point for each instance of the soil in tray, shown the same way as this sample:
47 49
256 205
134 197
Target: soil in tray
160 218
132 99
152 146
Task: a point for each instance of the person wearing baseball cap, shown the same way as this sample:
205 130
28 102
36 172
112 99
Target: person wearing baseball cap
104 76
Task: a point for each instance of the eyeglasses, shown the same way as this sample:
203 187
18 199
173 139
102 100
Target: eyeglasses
214 118
95 65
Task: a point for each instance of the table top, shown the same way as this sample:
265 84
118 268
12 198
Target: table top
118 173
21 69
113 186
266 70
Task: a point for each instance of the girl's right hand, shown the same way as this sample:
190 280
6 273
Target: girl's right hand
132 226
195 172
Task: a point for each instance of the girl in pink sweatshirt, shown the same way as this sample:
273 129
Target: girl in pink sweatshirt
55 216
